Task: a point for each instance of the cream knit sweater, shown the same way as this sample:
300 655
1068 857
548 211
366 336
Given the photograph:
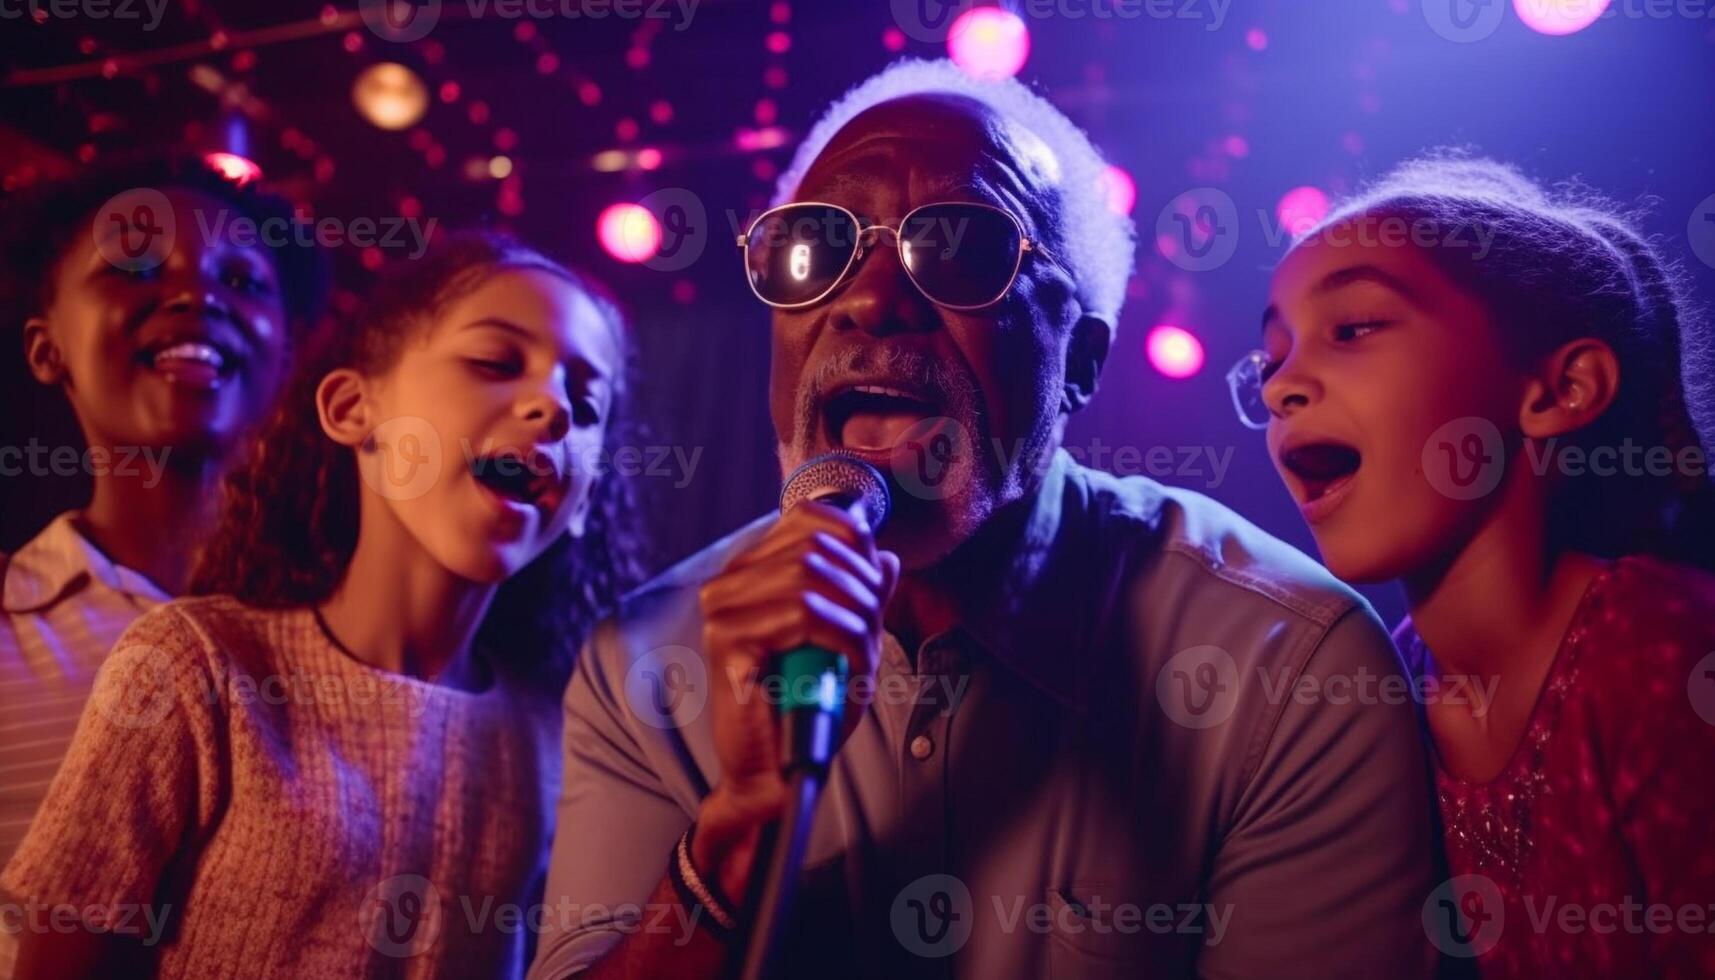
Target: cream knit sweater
243 799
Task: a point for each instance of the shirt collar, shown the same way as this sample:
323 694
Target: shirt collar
1053 595
60 561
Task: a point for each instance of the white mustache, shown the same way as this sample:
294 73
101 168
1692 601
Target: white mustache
954 389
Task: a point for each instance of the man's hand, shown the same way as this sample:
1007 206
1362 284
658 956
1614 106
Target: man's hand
815 579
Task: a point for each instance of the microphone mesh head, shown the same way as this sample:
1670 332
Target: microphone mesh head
842 481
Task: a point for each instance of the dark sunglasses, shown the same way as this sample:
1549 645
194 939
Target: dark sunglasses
960 255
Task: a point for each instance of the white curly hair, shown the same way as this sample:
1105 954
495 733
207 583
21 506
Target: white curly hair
1094 243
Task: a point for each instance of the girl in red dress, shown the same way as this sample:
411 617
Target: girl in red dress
1480 388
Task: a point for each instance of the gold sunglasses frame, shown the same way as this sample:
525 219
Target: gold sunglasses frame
1025 244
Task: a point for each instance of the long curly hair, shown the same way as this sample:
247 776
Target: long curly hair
289 515
1567 263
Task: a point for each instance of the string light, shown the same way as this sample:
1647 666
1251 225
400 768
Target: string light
390 95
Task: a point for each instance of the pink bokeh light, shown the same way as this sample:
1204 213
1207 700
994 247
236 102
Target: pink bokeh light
629 232
1174 351
989 42
1557 17
1119 189
1301 208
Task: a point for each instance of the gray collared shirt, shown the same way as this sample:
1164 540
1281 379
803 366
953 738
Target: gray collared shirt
1173 747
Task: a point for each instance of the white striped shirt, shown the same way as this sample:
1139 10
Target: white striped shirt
65 604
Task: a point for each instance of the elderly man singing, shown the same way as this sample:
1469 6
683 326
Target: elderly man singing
1085 736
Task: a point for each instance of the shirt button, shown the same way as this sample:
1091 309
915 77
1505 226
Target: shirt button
922 747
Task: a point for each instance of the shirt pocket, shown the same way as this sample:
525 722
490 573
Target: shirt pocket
1099 931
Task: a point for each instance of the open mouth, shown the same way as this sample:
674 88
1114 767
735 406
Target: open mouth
874 416
196 362
1323 468
530 481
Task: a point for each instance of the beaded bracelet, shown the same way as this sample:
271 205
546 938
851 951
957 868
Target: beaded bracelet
698 894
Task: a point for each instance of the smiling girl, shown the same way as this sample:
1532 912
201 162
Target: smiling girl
1480 389
136 376
326 769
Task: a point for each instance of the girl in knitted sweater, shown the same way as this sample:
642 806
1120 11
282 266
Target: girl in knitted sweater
340 759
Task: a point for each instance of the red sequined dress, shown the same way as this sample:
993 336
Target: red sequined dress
1593 853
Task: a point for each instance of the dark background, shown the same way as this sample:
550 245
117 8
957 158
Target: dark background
1319 93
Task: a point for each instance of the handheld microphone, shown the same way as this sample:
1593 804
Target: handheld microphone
813 686
813 680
